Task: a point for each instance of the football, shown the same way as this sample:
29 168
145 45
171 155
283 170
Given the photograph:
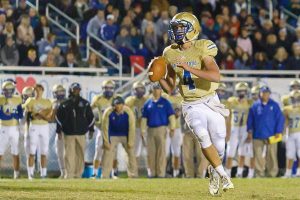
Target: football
157 69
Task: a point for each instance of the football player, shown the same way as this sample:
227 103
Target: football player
292 122
239 107
255 93
40 110
294 86
59 95
100 103
10 114
192 60
136 103
174 143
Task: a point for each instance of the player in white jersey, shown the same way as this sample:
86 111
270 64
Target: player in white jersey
192 61
59 95
40 110
10 114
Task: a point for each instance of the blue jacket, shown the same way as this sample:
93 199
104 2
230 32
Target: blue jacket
108 32
265 120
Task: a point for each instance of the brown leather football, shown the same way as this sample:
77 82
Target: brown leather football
157 69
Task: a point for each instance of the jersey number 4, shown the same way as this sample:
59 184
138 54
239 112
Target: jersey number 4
187 80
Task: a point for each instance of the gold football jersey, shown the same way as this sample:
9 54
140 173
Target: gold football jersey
101 103
286 100
136 105
9 106
176 104
191 87
35 106
239 110
293 114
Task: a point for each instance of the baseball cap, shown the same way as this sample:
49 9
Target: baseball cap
117 100
75 86
265 89
110 16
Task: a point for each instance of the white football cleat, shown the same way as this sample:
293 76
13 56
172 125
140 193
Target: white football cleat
214 181
226 183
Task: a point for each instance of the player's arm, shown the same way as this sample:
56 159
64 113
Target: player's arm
286 122
210 72
168 83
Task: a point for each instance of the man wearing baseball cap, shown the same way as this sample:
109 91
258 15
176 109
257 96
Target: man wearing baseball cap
118 126
265 121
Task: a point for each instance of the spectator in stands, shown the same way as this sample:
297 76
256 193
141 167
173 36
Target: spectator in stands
297 34
46 43
157 115
7 32
9 53
99 4
284 41
173 10
224 50
279 61
261 61
295 7
244 42
226 13
294 60
93 61
42 29
136 39
108 30
262 16
34 18
258 43
159 5
50 60
118 127
265 119
74 119
155 12
2 21
31 59
20 11
59 59
235 23
267 28
202 6
70 60
239 5
209 30
243 63
228 62
150 40
127 23
96 22
124 6
25 34
73 46
271 45
108 9
116 14
123 42
81 7
250 24
146 21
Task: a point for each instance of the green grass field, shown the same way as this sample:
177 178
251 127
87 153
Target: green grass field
141 189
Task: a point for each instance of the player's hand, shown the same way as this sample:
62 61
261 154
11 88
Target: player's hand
181 63
107 146
249 138
129 146
277 135
172 132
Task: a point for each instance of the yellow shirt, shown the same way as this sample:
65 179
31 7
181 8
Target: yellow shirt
176 104
190 86
136 105
9 106
101 103
293 114
286 100
35 106
239 110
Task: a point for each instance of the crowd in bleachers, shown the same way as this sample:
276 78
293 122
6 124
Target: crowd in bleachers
140 27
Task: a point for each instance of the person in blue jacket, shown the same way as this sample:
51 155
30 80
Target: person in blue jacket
265 119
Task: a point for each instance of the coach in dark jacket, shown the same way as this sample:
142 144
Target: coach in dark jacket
74 119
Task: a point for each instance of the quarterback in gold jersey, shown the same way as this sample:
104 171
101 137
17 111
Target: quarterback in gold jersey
136 103
239 107
292 122
40 110
100 103
174 143
193 62
10 114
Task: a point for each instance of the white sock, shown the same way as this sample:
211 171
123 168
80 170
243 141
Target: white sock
95 171
288 172
44 172
16 173
228 171
251 173
175 172
221 171
204 173
240 171
149 172
30 171
298 171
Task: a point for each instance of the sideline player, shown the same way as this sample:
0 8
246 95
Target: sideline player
239 107
294 86
100 103
10 114
292 122
136 103
194 64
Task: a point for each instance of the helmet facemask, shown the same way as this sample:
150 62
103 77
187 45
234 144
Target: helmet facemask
139 92
8 92
108 91
178 30
60 94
